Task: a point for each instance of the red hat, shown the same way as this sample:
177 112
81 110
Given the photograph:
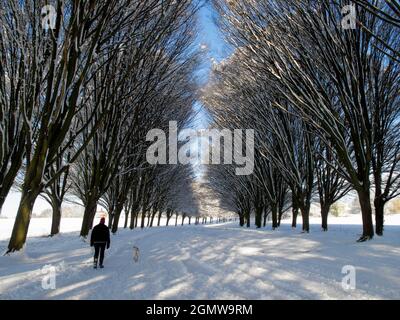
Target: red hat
103 220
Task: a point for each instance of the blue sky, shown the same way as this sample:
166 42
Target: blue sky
211 38
214 49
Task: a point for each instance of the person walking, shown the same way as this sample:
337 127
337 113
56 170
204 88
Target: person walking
100 239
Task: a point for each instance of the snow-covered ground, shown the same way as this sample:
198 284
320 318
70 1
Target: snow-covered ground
208 262
41 227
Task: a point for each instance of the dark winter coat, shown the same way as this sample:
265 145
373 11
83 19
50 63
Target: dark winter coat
100 234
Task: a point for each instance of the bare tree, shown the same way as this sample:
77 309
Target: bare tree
74 51
21 72
55 192
331 185
388 11
323 71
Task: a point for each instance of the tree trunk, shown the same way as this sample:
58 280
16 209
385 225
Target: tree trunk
280 214
21 225
56 217
126 219
88 216
117 215
142 221
324 216
265 217
379 216
110 220
295 212
248 219
153 215
159 219
190 218
176 220
366 212
258 213
31 189
241 219
305 214
133 218
274 211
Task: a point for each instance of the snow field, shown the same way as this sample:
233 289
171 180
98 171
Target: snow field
219 261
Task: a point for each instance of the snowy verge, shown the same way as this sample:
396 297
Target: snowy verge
210 262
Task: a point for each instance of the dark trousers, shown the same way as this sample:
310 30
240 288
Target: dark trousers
99 248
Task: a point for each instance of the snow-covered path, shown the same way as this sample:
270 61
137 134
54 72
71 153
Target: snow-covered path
209 262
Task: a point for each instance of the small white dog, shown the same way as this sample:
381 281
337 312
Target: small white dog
136 253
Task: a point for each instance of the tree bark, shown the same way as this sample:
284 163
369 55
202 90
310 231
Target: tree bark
153 215
258 212
159 219
295 212
248 219
133 218
31 189
305 214
142 220
117 215
274 211
88 216
126 219
241 219
56 217
324 216
265 217
366 212
133 223
21 225
110 220
379 216
280 214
